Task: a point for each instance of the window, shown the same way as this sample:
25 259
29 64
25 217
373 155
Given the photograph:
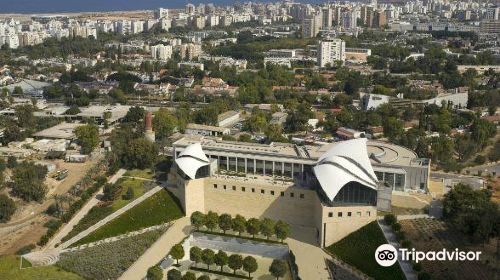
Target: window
349 214
301 195
262 191
368 213
358 214
215 186
282 193
234 188
339 214
242 189
253 190
224 186
272 192
292 194
330 214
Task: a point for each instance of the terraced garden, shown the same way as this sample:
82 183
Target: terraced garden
9 269
160 208
434 235
104 209
358 250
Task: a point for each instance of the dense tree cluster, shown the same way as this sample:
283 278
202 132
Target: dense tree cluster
28 181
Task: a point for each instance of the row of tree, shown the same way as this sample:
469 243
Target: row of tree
235 262
252 226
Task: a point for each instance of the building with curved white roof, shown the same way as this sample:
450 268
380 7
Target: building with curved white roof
331 189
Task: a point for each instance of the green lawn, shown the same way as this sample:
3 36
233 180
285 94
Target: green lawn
140 173
358 250
9 269
160 208
99 212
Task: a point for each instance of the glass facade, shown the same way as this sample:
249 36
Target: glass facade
355 193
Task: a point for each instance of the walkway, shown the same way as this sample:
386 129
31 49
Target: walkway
309 257
154 254
82 213
391 239
110 217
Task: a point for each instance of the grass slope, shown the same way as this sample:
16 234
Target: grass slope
358 250
110 260
99 212
140 173
160 208
9 269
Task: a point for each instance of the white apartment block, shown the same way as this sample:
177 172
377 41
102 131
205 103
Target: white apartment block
331 50
161 52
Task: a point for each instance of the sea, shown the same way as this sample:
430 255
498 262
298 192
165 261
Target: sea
74 6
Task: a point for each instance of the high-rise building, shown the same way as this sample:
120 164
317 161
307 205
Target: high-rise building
190 9
198 22
161 13
161 52
311 25
349 20
190 51
379 19
329 51
327 21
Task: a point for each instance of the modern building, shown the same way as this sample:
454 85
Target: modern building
330 51
161 52
206 130
331 189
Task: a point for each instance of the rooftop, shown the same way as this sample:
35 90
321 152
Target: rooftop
61 131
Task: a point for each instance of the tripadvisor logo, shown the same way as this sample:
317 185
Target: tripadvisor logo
387 255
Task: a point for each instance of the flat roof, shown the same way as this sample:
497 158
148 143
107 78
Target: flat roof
379 152
97 111
60 131
206 127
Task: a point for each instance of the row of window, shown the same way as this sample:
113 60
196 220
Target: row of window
348 214
262 191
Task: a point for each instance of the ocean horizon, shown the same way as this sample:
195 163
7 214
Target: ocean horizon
75 6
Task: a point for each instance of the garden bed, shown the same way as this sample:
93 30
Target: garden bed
218 272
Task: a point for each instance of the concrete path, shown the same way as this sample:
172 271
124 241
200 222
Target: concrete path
82 213
413 217
154 254
110 217
391 239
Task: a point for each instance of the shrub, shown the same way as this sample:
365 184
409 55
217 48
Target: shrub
390 219
424 276
174 274
400 235
396 227
109 260
417 267
7 208
189 276
129 194
155 273
25 249
406 243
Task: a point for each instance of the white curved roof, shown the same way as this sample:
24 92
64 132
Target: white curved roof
345 162
191 159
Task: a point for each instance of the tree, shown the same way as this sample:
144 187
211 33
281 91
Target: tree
221 259
11 162
203 277
177 252
7 208
135 114
189 276
28 181
282 230
129 194
141 153
111 191
211 220
235 262
225 222
278 268
174 274
208 257
88 137
253 226
195 254
155 273
197 219
25 117
267 227
18 90
239 224
164 124
250 265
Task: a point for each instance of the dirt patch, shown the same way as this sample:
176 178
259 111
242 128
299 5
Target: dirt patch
14 238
